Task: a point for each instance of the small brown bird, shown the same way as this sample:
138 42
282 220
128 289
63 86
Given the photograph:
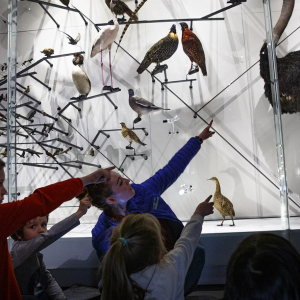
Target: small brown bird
65 151
130 136
44 129
32 152
50 154
27 90
193 49
26 61
141 106
50 127
92 152
4 153
221 203
48 51
3 115
65 2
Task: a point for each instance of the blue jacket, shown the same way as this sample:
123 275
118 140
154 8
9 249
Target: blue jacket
147 198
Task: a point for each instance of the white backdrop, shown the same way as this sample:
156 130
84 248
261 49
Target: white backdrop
242 115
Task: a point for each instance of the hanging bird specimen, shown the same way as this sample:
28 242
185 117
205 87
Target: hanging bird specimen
160 51
50 155
65 2
120 9
65 151
92 152
48 52
221 203
32 152
141 106
80 79
26 61
192 47
104 40
288 67
71 40
130 136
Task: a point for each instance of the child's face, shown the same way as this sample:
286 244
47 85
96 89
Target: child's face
33 228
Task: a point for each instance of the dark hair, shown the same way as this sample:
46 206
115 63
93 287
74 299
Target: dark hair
264 266
2 164
98 194
143 246
19 233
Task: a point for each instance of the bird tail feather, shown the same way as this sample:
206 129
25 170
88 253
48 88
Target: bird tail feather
144 65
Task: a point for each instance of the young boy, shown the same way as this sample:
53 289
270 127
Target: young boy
28 264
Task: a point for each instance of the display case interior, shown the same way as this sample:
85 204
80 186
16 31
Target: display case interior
87 132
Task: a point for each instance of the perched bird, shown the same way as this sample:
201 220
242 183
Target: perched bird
31 114
4 132
221 203
130 136
4 76
92 152
3 115
71 40
50 127
27 90
80 79
65 151
4 153
21 155
4 67
122 8
160 51
50 154
141 106
193 49
48 51
26 61
104 40
65 2
44 129
57 151
32 152
32 132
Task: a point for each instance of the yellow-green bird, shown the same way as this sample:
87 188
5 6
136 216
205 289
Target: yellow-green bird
221 203
130 136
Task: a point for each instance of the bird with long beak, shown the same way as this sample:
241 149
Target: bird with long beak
104 40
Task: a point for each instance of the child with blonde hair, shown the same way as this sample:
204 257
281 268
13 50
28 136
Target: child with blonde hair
27 260
137 265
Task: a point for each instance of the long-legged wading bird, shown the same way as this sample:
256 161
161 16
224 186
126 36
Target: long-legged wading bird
193 49
288 67
160 51
122 8
130 136
141 106
80 79
104 40
221 203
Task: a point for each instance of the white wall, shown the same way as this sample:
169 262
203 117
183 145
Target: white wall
242 115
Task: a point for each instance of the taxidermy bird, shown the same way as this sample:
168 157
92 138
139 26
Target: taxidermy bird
44 129
31 114
50 154
92 152
27 90
120 9
65 2
160 51
48 51
65 151
26 61
221 203
130 136
104 40
4 153
288 67
71 40
21 155
80 79
141 106
192 47
3 116
50 127
32 152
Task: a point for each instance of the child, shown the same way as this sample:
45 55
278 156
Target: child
136 265
28 264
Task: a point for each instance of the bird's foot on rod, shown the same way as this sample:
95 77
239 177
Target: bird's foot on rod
110 88
159 69
121 20
129 147
192 71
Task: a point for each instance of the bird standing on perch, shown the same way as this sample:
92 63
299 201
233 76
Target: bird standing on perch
80 79
221 203
160 51
48 51
120 9
130 136
192 47
104 40
141 106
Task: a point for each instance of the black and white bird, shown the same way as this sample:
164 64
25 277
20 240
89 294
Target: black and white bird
80 79
104 40
71 40
141 106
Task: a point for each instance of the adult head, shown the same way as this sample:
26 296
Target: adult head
135 244
3 190
111 196
264 266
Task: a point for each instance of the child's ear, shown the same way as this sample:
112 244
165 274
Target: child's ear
111 200
19 237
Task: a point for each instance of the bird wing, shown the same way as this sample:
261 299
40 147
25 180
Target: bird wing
96 45
145 103
227 206
68 36
78 38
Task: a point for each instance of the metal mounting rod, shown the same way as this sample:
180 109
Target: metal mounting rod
176 81
46 11
43 113
24 104
50 146
73 166
70 144
39 102
39 166
85 163
41 82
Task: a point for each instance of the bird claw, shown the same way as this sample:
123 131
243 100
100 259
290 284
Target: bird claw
110 88
192 71
129 147
137 120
